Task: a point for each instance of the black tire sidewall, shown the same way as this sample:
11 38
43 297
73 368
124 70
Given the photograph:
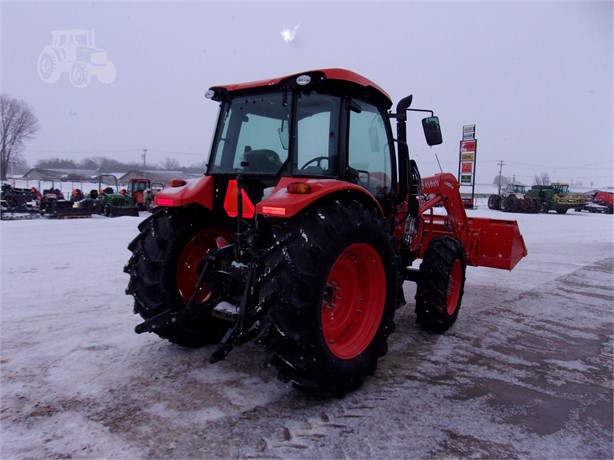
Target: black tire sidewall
300 320
156 253
431 291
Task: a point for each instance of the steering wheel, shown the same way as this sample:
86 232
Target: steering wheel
317 160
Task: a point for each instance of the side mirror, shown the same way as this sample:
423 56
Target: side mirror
432 130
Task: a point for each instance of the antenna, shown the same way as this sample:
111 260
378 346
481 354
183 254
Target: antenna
437 158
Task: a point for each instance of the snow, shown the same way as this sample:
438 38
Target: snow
525 372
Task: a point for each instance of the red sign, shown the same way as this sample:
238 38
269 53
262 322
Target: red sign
467 146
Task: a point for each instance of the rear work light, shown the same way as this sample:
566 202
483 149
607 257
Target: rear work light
274 211
163 201
300 188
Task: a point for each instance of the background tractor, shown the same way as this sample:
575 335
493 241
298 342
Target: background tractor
17 203
136 189
143 192
601 202
513 199
53 204
110 202
150 193
73 51
303 230
557 197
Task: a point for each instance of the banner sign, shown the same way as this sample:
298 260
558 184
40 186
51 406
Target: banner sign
468 132
466 163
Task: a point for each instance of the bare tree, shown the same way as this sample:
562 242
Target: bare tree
171 164
542 179
17 124
501 181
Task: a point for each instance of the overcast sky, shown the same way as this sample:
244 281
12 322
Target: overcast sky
535 77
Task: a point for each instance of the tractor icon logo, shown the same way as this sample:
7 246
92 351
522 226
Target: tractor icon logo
74 52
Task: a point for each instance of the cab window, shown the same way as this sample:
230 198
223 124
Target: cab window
317 138
369 151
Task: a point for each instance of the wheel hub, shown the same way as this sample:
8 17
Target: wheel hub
353 301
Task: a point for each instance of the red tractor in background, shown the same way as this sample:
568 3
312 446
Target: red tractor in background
136 189
303 230
601 202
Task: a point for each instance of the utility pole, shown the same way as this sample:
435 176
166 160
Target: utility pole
501 164
144 158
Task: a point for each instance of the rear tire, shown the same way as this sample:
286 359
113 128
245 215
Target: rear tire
533 206
509 204
331 286
440 285
164 266
494 202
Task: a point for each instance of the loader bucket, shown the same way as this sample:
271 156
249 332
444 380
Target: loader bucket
117 211
498 243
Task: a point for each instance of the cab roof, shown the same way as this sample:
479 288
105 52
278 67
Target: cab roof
341 79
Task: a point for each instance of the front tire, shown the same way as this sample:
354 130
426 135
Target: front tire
440 285
331 285
163 269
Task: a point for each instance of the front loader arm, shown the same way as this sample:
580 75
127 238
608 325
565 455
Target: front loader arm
443 189
494 243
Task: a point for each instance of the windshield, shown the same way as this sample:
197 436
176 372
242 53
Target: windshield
561 189
253 136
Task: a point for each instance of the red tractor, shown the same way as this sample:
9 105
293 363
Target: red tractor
136 189
303 230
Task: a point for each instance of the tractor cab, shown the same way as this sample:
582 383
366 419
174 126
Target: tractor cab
560 188
314 126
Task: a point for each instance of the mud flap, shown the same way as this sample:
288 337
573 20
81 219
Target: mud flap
498 243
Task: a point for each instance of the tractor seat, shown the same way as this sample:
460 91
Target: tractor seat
262 160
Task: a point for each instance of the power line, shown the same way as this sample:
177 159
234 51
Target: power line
501 164
100 152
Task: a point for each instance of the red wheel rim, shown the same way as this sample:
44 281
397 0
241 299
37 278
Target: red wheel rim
353 301
192 257
454 287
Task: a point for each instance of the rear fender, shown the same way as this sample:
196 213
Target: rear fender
198 191
282 203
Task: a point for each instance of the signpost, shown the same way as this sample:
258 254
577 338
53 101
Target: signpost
466 163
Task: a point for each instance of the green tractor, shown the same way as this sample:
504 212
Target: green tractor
112 202
557 197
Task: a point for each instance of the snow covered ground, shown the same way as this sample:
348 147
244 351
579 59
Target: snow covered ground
525 372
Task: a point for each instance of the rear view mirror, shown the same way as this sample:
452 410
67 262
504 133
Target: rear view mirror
432 130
